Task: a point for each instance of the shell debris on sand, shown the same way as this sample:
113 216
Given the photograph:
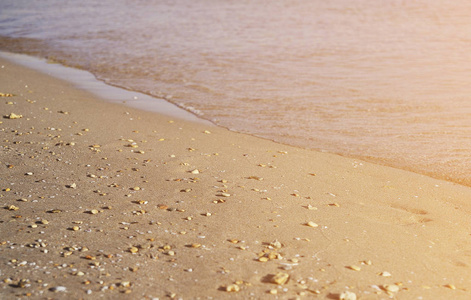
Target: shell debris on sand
183 244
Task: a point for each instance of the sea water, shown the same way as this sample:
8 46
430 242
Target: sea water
386 81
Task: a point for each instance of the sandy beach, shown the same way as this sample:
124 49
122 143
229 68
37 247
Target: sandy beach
103 201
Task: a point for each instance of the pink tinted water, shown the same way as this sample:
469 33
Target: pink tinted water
388 81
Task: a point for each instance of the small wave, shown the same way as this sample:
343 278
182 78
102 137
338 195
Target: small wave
190 109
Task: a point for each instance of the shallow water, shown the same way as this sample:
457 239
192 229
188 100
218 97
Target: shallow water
388 81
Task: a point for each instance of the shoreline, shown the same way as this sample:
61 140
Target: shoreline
107 200
87 81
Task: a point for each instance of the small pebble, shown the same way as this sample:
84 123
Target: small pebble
58 289
348 296
263 259
232 288
451 286
14 116
280 278
354 268
392 288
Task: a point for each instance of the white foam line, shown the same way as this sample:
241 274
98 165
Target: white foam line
87 81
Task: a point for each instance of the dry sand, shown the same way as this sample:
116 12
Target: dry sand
103 201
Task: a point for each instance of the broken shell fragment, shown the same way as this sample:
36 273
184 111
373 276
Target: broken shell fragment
58 289
22 283
348 296
451 286
312 224
276 244
232 288
280 278
12 207
14 116
263 259
354 268
391 288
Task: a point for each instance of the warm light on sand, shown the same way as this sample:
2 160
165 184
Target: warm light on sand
85 215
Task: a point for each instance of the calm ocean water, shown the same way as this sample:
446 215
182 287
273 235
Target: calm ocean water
387 81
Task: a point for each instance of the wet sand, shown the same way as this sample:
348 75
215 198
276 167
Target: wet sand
100 200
